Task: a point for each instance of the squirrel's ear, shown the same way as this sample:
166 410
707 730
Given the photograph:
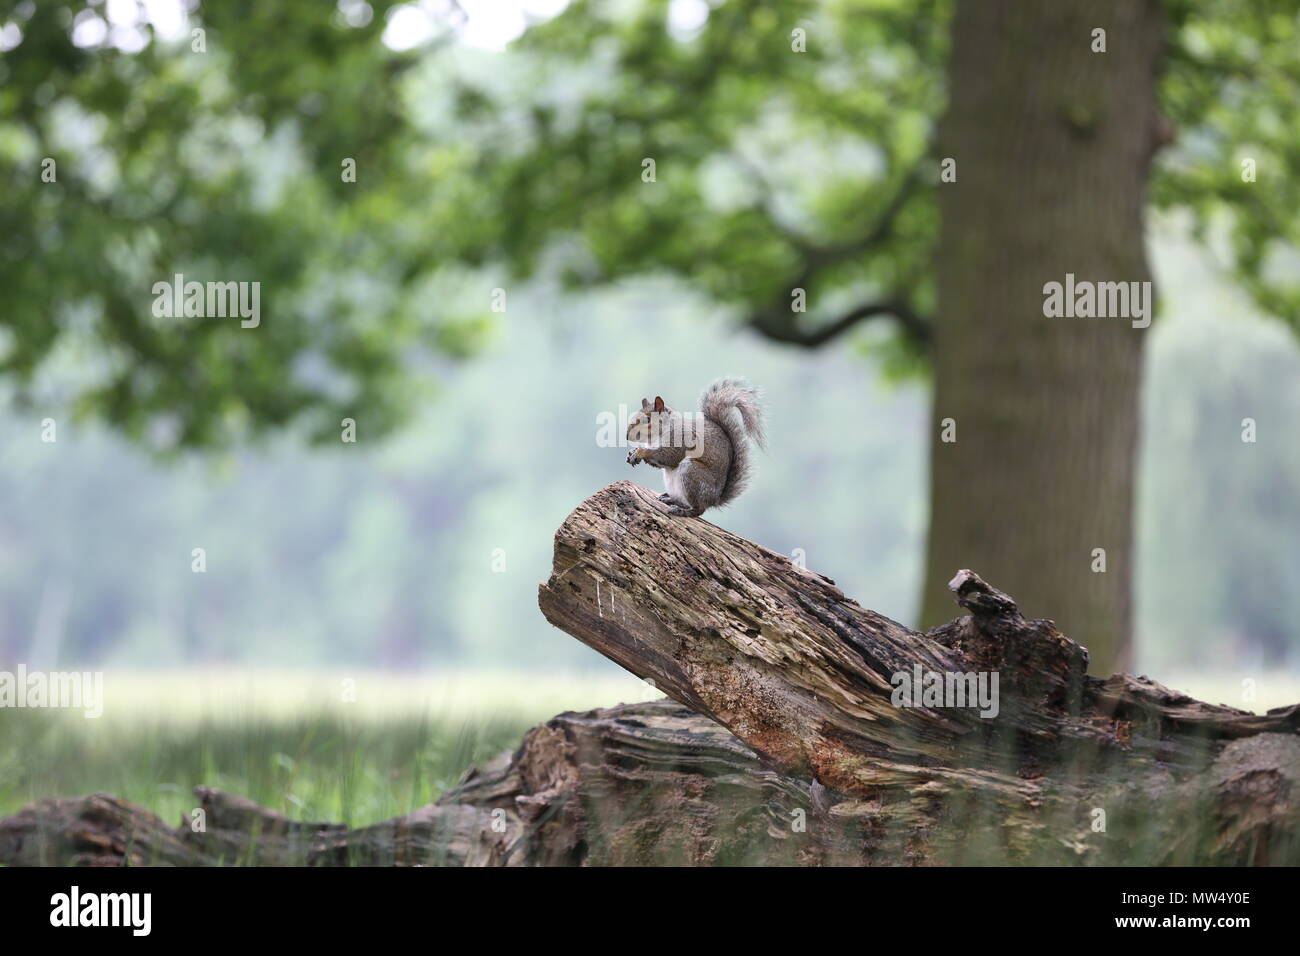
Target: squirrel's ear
659 404
645 404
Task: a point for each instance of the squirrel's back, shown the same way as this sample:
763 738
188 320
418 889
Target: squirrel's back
733 405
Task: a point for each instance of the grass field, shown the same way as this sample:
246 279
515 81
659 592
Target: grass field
351 748
310 746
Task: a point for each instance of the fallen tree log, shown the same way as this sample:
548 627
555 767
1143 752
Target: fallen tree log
787 740
811 681
624 785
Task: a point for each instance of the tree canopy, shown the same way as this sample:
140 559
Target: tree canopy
792 146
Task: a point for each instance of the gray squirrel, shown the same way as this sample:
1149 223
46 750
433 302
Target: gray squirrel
706 457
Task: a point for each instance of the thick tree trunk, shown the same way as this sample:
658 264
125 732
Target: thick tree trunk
1052 143
784 741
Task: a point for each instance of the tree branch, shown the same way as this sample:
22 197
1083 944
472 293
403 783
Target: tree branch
781 326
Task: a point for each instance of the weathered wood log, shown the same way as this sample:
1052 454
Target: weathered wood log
637 783
655 783
785 742
811 681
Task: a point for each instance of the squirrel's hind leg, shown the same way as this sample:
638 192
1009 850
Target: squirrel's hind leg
684 511
683 498
676 506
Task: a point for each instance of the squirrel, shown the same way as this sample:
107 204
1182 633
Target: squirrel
706 457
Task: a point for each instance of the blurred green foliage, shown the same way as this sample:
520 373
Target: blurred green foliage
778 169
1230 89
1219 497
220 164
774 169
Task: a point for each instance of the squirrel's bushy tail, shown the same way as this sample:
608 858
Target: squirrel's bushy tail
716 404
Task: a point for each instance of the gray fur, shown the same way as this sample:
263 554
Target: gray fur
706 458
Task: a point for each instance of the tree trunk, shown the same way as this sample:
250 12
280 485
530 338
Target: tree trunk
1052 143
785 741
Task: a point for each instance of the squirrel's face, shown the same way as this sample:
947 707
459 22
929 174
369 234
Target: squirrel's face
644 427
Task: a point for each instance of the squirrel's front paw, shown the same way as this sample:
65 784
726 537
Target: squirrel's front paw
633 458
